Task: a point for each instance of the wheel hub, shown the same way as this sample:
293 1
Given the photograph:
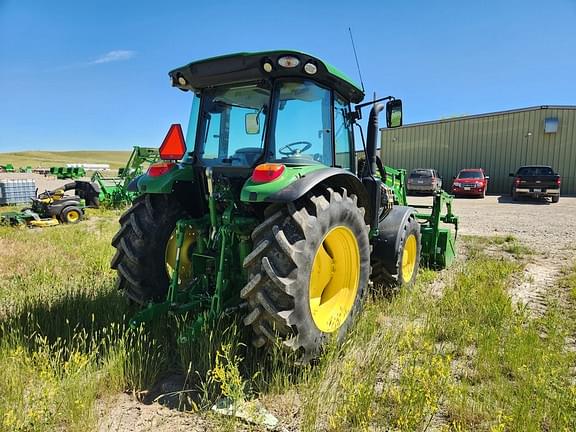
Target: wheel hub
185 271
335 278
409 258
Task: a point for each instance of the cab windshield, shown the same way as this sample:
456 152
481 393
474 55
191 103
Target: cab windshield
470 175
233 120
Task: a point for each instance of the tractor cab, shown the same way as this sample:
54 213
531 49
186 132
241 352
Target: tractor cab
281 107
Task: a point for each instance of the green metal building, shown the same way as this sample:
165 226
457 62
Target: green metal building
499 142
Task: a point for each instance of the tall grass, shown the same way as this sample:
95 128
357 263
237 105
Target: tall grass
466 360
63 338
65 343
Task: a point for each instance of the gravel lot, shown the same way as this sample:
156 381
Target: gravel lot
544 227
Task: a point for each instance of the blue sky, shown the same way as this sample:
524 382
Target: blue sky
92 75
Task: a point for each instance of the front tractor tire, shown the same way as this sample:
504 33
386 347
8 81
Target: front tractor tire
402 270
308 272
141 245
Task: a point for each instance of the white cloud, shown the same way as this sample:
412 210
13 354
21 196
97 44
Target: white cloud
113 56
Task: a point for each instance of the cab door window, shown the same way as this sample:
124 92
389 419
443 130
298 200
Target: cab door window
342 133
303 124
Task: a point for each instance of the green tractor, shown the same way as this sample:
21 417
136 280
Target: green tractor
261 209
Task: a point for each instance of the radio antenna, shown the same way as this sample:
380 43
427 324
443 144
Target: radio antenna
356 57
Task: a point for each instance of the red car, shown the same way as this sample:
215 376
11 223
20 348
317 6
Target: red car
470 182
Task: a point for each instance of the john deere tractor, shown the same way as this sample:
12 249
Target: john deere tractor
261 210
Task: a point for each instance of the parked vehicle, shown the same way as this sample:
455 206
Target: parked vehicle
536 181
424 180
470 182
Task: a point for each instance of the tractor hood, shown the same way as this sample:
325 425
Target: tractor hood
246 67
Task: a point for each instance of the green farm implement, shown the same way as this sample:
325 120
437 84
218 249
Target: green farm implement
261 210
64 173
114 190
7 168
438 242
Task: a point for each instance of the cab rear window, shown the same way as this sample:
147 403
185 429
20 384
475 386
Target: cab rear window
535 171
421 174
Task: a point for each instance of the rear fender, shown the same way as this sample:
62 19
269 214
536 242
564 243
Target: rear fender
163 184
335 178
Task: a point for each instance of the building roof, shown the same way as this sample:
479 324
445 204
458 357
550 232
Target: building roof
496 113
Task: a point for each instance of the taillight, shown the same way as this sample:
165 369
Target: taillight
558 181
517 181
173 147
267 172
160 168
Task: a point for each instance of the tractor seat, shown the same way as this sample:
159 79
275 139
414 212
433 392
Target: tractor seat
247 156
74 198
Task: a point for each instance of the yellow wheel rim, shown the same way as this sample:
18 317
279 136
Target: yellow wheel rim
185 271
409 258
72 216
334 280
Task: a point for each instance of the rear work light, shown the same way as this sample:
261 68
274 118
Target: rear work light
173 147
288 61
160 168
267 172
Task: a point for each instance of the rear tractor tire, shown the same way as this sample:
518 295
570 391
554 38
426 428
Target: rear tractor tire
308 272
144 244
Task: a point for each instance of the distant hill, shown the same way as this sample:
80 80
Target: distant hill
46 159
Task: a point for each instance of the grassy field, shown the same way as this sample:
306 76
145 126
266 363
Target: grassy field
460 359
45 159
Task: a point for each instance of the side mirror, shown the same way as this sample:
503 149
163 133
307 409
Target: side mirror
251 124
511 175
453 177
487 177
394 113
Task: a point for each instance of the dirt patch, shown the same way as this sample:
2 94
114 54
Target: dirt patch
533 291
127 414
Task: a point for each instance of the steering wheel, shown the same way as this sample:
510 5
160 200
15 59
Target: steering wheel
289 150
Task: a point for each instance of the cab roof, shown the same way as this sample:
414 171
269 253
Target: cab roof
249 66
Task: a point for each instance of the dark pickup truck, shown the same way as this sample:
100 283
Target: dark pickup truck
536 181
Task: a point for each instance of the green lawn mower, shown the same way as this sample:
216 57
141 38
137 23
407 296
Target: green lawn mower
51 208
261 209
